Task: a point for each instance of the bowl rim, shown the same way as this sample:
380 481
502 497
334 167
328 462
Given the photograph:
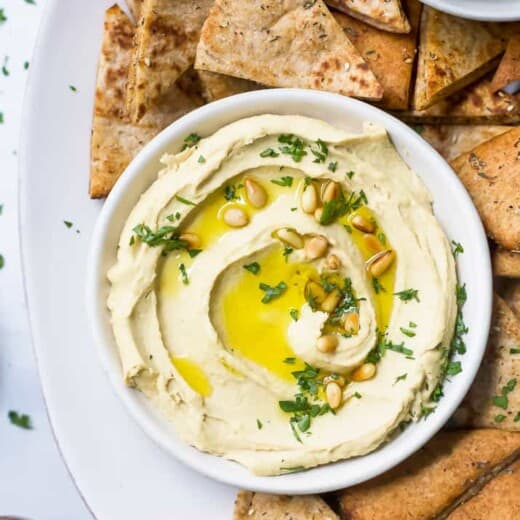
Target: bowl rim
502 11
299 482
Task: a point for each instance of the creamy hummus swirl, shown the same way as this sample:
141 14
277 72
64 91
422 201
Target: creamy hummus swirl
213 332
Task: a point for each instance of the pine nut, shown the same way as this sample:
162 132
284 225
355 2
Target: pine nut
331 301
340 380
363 224
351 323
330 191
236 217
256 195
333 394
327 343
363 372
315 290
317 215
332 262
373 243
192 239
309 199
289 237
380 262
316 247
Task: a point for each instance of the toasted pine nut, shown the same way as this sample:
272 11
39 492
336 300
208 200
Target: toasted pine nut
332 262
192 239
315 290
289 237
236 217
317 215
380 262
333 394
316 247
256 195
327 343
309 199
363 372
330 302
330 191
351 323
340 380
373 243
363 224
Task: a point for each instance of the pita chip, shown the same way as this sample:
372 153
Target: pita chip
491 174
499 496
454 140
295 43
433 480
165 40
260 506
509 67
390 56
135 7
217 86
506 263
387 16
494 398
453 53
511 294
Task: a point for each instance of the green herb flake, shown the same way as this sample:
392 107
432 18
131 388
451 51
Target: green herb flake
190 140
1 117
285 181
402 377
378 288
201 159
454 368
499 418
166 237
408 294
357 395
184 274
20 420
501 401
517 417
350 174
269 152
230 192
259 424
286 252
294 314
32 2
26 65
73 88
194 252
68 223
293 146
290 360
412 325
407 332
185 201
333 166
3 18
514 350
270 292
294 469
2 261
348 229
253 267
457 248
5 70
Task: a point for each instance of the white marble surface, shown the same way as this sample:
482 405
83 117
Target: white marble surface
34 482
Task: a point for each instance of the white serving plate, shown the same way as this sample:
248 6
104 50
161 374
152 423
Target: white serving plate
349 114
488 10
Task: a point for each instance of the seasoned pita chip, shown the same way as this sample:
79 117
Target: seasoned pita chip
166 39
260 506
387 15
474 105
135 8
509 68
494 398
499 498
491 174
454 52
506 263
434 479
454 140
390 56
295 43
217 86
511 294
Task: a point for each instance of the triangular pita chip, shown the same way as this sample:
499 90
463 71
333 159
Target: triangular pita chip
295 43
509 68
390 56
261 506
135 7
166 39
217 86
491 174
453 53
433 480
454 140
494 398
506 263
387 15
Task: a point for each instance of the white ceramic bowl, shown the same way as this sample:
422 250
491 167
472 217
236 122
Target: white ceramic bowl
453 208
490 10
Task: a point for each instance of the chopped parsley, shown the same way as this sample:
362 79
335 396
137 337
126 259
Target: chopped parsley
190 140
321 153
269 152
347 302
286 252
408 294
407 332
293 146
26 65
294 314
340 206
1 117
350 174
253 267
68 223
2 261
271 293
289 360
402 377
185 201
184 274
500 418
294 469
73 88
166 237
259 424
194 252
517 417
3 18
514 350
285 181
230 192
457 248
20 420
5 70
32 2
357 395
376 285
201 159
502 400
454 368
333 166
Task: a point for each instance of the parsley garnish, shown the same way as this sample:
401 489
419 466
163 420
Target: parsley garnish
357 395
333 166
294 314
271 293
321 153
32 2
259 424
293 146
253 267
294 469
230 192
3 18
502 401
73 88
286 252
514 350
68 223
185 201
166 236
2 261
290 360
340 206
377 286
269 152
406 332
5 70
201 159
454 368
517 417
350 174
20 420
457 248
285 181
190 140
402 377
194 252
184 274
408 294
499 418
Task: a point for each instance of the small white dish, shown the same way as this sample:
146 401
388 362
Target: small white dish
485 10
453 208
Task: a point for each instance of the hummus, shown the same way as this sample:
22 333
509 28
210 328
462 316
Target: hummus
284 294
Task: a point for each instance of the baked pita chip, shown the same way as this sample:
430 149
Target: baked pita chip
295 43
499 498
453 53
390 56
217 86
474 105
433 480
491 174
494 398
506 263
135 8
260 506
511 294
387 16
166 39
454 140
509 68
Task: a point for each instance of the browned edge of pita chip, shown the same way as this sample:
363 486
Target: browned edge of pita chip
217 86
509 67
506 263
135 8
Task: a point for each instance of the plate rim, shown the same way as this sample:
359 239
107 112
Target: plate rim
509 12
